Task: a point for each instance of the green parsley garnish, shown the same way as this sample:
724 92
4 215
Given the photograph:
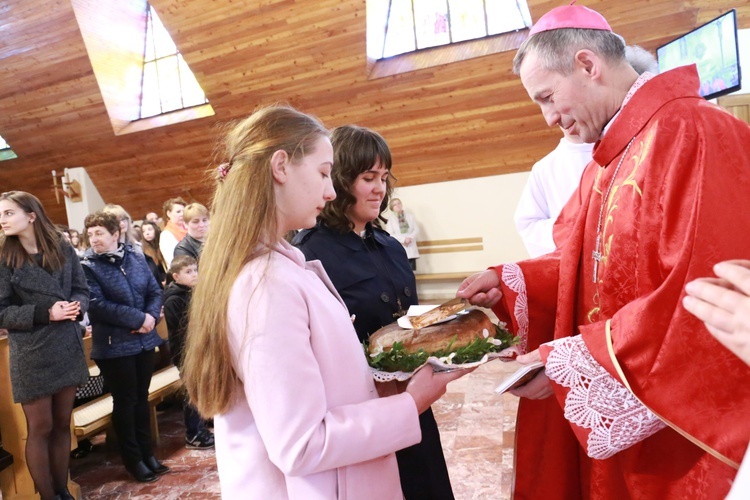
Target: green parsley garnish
396 359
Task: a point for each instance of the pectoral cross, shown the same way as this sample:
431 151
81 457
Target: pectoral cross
597 256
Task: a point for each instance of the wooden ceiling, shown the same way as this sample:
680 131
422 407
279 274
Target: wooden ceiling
461 120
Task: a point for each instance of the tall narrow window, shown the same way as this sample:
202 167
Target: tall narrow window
168 83
5 152
412 25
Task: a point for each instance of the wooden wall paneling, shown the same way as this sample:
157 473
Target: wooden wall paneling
738 105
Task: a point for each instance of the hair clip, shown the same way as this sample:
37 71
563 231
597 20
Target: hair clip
224 170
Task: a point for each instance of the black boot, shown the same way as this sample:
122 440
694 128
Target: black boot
155 466
142 473
65 494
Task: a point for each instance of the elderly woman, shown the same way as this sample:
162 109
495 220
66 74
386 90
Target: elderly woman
125 302
43 294
371 272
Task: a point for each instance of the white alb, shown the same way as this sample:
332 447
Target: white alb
552 181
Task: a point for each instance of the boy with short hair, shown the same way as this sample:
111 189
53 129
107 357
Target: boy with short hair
184 272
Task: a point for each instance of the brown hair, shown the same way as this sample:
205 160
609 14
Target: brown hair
78 235
107 220
181 262
170 203
244 192
151 248
355 150
48 238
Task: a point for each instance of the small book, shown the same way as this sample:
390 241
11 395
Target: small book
524 374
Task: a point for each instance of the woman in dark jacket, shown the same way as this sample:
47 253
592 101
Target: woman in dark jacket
125 302
372 274
43 295
196 220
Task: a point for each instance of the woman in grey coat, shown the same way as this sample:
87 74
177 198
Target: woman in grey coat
43 295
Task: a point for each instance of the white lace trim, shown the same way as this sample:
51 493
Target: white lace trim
598 401
514 279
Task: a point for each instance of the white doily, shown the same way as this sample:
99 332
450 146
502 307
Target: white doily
598 401
440 366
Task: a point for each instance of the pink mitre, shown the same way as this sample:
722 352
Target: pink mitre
570 16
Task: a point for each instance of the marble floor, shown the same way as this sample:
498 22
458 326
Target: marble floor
477 428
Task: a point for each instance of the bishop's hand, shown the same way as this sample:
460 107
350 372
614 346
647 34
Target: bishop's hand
481 289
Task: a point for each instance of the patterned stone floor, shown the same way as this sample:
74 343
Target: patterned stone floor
477 428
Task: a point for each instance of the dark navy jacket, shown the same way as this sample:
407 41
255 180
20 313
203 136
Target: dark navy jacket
122 292
372 274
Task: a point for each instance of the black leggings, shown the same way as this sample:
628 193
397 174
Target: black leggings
128 379
48 442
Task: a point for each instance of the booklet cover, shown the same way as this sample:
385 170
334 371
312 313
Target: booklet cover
523 374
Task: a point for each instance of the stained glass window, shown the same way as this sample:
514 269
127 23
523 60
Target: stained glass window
431 23
400 26
5 152
168 83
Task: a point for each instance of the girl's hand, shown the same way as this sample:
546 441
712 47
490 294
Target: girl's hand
426 386
64 311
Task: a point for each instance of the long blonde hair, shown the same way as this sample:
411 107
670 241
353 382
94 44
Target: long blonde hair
243 215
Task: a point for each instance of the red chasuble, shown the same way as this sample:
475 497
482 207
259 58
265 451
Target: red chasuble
679 203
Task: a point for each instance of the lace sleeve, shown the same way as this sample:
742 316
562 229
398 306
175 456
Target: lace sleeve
613 417
514 279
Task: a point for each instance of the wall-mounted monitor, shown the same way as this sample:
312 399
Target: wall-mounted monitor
714 49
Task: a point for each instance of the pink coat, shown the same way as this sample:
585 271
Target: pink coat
307 422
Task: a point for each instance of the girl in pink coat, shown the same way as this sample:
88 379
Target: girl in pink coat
271 351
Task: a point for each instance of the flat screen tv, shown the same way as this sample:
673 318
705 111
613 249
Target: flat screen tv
713 48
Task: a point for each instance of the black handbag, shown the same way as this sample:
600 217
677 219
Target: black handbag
92 388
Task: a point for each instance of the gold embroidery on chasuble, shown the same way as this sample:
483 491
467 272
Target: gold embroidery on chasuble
642 149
